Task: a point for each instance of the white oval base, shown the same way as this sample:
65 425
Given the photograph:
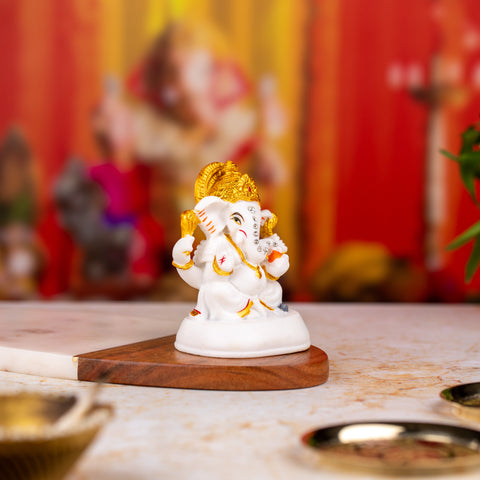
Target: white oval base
277 334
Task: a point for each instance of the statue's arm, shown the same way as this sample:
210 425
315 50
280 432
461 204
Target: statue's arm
277 261
276 264
183 262
225 261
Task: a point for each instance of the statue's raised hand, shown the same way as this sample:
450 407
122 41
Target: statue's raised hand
182 251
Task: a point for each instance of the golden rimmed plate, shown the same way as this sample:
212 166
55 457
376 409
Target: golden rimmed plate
396 447
464 400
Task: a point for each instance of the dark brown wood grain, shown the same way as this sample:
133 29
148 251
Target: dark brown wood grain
157 363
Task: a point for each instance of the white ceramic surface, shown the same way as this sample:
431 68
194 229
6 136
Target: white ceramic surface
277 334
386 363
235 270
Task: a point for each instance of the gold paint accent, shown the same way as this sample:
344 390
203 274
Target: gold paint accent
246 310
218 269
188 222
270 277
184 267
255 268
224 180
268 226
265 305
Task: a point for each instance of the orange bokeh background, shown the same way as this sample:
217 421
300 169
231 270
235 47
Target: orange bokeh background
358 82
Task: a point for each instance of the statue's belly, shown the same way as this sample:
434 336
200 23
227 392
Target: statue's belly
248 281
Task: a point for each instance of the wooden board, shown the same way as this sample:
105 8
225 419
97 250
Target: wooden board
157 363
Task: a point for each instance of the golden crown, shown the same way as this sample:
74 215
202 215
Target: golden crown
223 180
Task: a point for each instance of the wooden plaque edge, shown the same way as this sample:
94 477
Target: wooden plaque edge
156 363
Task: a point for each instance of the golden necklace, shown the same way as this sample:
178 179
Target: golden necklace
255 268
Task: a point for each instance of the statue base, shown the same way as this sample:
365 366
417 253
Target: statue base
278 334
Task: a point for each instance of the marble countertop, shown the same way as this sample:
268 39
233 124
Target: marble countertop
387 362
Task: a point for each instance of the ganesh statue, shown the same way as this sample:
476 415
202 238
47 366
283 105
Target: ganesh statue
239 311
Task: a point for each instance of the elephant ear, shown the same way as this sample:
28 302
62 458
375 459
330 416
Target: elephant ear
213 214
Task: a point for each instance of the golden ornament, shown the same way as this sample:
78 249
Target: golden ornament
224 180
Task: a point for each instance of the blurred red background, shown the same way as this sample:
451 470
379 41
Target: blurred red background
371 91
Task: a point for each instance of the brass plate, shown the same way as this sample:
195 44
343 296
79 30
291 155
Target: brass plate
464 400
30 446
396 447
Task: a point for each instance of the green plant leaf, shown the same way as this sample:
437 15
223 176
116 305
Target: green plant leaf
472 158
473 261
469 168
449 155
468 179
469 165
470 138
465 237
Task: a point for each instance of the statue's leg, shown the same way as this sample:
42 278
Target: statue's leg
271 296
222 301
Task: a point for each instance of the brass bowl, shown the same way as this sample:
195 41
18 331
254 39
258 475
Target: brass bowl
395 448
464 400
31 447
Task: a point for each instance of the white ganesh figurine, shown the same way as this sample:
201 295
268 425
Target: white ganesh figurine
239 312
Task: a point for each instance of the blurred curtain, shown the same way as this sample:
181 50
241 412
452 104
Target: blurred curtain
55 54
367 132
